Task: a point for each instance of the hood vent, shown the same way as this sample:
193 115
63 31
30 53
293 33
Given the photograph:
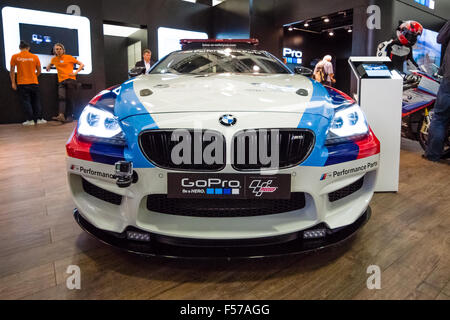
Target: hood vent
145 92
302 92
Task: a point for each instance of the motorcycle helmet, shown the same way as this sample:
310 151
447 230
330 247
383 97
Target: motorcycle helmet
408 32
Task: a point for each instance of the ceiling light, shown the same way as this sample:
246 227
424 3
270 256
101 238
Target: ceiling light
349 30
330 33
306 24
326 19
290 28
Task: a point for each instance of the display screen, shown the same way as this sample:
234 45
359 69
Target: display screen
427 51
427 3
376 70
43 38
42 30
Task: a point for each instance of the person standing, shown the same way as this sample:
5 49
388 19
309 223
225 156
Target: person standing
438 127
146 62
28 71
323 71
64 64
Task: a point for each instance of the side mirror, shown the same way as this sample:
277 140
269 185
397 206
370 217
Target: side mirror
304 71
136 72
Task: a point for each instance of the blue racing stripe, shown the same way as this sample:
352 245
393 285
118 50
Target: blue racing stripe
319 125
342 152
135 119
132 126
336 98
106 153
317 118
127 102
320 93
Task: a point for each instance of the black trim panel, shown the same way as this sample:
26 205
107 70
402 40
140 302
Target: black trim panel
172 247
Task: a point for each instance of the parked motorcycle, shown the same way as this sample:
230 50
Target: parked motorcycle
419 96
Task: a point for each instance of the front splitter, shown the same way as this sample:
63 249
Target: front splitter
159 246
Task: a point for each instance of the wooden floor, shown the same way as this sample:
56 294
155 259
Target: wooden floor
408 237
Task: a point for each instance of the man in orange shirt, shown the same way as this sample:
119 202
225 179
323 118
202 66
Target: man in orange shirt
28 70
67 84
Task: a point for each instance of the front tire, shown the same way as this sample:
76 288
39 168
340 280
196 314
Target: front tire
422 134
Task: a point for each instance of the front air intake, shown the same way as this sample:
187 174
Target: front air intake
221 208
346 191
100 193
292 145
157 146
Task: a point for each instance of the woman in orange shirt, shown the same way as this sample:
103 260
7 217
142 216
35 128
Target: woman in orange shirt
67 84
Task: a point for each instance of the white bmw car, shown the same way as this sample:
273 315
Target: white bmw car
221 151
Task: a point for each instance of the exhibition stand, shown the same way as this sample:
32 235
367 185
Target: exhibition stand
379 94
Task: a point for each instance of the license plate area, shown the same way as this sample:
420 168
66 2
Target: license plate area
228 186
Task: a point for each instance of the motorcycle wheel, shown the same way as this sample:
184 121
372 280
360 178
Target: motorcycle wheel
422 135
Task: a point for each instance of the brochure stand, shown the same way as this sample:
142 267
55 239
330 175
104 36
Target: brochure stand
379 94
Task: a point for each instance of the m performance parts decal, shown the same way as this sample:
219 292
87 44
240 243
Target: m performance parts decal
228 186
345 172
91 172
326 176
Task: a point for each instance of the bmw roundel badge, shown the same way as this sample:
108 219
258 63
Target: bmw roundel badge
227 120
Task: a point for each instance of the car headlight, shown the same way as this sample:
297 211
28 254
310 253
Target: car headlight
99 125
348 124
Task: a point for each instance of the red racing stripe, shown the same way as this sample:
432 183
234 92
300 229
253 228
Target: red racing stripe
346 96
368 146
78 149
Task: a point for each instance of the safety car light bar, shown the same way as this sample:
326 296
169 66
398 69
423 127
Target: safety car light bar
189 44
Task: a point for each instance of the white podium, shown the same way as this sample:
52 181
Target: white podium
380 90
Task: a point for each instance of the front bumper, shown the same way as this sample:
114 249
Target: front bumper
173 247
131 210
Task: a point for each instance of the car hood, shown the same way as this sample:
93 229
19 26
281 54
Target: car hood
171 93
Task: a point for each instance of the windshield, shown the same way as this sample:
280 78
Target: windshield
220 61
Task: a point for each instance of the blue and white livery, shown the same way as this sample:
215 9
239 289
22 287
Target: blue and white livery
226 100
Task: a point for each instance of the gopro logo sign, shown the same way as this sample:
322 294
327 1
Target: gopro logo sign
292 53
292 56
212 182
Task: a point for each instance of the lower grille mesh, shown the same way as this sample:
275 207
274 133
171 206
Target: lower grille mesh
223 207
100 193
346 191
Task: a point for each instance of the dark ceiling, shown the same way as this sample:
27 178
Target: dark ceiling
338 20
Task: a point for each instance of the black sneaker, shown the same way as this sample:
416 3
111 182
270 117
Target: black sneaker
426 158
69 119
59 118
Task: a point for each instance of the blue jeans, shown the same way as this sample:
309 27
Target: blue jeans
438 127
30 100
